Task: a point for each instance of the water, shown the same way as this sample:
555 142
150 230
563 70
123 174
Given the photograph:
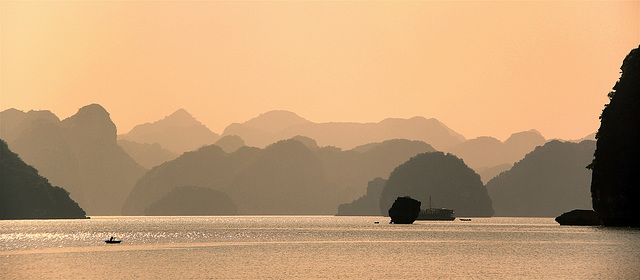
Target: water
294 247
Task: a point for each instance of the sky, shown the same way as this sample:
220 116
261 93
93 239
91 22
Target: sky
483 68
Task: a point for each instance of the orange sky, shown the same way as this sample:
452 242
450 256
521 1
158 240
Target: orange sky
482 68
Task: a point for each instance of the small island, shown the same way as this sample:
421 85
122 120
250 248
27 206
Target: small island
405 210
580 217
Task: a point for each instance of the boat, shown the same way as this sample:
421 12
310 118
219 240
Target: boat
112 240
436 214
464 219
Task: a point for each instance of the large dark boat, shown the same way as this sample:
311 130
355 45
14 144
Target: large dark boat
436 214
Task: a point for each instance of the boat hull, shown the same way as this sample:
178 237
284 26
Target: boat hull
435 214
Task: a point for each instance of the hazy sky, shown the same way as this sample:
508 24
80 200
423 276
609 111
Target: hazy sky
480 67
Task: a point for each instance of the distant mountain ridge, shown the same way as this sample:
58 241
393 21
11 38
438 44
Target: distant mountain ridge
293 176
276 120
178 133
366 205
273 126
79 153
490 155
13 122
550 180
147 155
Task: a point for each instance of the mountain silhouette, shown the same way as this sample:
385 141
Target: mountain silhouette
147 155
489 156
178 133
81 154
488 173
591 137
192 201
284 178
292 176
615 185
13 122
24 194
550 180
274 121
366 205
208 166
230 143
352 170
521 143
441 178
260 131
278 125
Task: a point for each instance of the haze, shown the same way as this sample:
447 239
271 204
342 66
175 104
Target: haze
482 68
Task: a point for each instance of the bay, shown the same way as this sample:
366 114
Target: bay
314 247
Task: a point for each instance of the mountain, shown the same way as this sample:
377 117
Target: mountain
284 178
352 170
274 121
441 178
24 194
591 137
489 156
547 182
208 166
277 125
292 176
366 205
230 143
81 154
13 122
260 131
178 133
192 201
615 187
488 173
147 155
483 151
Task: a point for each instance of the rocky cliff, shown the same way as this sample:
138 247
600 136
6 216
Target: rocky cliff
81 154
615 185
24 194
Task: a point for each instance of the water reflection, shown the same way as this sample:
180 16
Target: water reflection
315 247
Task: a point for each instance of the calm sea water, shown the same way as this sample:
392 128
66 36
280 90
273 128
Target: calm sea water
294 247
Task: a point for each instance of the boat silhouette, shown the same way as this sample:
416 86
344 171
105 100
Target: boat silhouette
436 214
112 240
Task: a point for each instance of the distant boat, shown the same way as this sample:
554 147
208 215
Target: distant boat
436 214
112 240
464 219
